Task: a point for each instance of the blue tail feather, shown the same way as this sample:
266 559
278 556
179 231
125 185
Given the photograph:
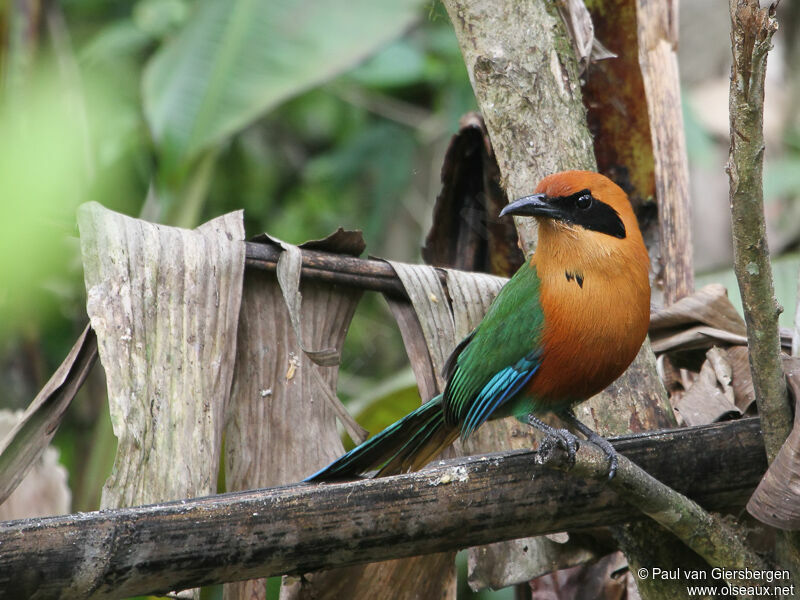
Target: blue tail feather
396 444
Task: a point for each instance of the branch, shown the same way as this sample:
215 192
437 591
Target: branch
363 273
302 528
751 36
707 534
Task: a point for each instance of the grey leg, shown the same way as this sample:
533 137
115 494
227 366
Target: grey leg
569 417
562 437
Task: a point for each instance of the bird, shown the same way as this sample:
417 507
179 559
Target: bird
566 325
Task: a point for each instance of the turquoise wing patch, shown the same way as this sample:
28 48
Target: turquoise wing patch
500 388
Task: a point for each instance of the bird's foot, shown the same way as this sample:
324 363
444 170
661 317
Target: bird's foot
596 439
611 453
556 437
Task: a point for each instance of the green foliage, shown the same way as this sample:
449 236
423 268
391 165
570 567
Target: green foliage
333 119
233 61
52 158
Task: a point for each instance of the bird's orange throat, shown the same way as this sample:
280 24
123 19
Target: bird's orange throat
595 295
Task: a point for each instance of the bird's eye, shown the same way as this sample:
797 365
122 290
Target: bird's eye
583 202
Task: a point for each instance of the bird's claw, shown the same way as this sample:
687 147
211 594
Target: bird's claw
570 443
558 437
561 437
611 453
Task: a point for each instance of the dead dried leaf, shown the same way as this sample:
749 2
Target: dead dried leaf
416 347
164 303
269 411
43 491
710 397
299 411
581 31
699 320
742 378
289 269
435 318
24 444
718 359
500 565
776 500
471 294
694 338
402 579
467 233
598 581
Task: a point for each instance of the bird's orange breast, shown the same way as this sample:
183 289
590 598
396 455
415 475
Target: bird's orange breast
596 305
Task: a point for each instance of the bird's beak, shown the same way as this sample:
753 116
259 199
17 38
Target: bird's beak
532 206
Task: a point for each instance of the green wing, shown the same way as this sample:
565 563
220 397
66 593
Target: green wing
495 361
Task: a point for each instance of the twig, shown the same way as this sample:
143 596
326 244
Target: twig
301 528
364 273
752 30
751 36
705 533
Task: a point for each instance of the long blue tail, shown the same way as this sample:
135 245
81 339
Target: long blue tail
406 445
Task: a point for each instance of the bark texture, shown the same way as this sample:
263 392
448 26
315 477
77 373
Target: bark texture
657 22
301 528
751 37
525 76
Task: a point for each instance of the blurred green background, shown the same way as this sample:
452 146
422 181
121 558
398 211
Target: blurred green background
310 115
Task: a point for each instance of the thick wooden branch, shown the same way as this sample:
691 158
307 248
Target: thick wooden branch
525 76
301 528
657 28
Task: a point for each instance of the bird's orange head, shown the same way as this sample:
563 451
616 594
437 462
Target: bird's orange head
585 217
580 202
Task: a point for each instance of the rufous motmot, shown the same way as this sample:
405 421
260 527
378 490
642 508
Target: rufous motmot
566 325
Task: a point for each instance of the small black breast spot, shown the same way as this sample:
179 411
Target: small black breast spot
576 277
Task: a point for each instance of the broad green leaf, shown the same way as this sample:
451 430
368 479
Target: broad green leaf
121 39
233 61
396 65
160 17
